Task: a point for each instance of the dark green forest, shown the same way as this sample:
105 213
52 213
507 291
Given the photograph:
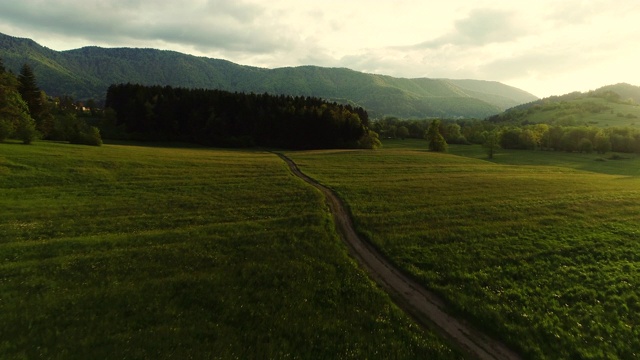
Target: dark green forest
226 119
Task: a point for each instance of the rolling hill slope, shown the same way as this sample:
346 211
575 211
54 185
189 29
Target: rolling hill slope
612 105
87 73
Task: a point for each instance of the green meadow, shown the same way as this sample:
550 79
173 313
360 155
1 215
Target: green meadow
143 252
540 249
128 251
623 164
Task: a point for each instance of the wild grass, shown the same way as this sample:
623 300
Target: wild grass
127 251
543 255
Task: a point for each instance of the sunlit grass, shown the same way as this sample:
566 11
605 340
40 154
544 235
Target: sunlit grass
139 252
609 163
543 256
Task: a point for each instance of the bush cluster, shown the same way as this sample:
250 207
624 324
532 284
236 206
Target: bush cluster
27 113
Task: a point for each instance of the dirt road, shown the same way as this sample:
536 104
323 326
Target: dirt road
423 305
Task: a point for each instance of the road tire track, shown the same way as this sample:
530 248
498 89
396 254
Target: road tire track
412 297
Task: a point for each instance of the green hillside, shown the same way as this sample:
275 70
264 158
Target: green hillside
87 72
609 106
626 91
493 92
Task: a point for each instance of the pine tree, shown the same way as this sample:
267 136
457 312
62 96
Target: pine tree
29 90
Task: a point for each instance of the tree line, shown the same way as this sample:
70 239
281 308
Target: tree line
562 130
585 139
27 113
494 134
391 127
226 119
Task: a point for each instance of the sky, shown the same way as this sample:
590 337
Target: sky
545 47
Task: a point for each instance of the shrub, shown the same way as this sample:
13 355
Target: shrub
26 131
616 157
370 141
6 129
76 131
89 135
64 126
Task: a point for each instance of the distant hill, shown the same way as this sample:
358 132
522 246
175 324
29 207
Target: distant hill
626 91
87 73
612 105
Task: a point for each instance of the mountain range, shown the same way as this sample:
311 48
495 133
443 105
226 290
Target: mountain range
86 73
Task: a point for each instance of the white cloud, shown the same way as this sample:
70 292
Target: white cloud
481 27
544 47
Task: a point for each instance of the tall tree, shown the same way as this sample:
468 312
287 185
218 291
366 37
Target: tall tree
29 90
14 112
436 140
491 142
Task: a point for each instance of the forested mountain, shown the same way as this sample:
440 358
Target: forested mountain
88 72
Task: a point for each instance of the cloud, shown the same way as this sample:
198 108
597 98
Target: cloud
530 44
582 12
481 27
538 64
214 25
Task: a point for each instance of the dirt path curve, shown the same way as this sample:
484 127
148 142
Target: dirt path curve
408 294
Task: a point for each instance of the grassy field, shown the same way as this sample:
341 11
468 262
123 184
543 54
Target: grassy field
612 163
135 252
531 248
